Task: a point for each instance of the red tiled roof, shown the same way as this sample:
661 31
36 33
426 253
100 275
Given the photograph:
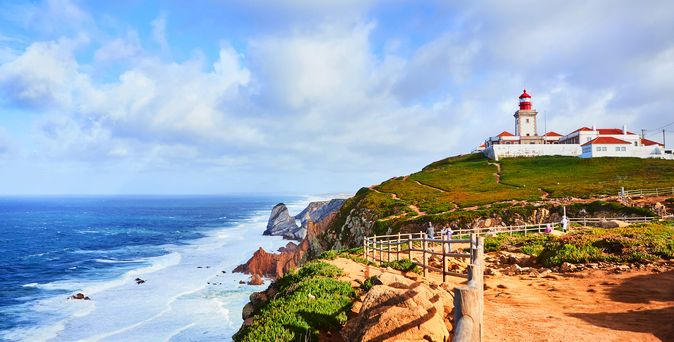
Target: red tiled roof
505 134
603 131
611 131
552 134
606 141
582 129
647 142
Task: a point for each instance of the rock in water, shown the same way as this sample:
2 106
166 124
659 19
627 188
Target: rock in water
280 221
255 280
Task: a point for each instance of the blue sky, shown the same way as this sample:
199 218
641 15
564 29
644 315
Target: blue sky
301 96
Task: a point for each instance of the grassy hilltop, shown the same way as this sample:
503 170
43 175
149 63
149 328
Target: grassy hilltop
471 186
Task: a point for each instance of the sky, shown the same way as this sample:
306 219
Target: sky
304 96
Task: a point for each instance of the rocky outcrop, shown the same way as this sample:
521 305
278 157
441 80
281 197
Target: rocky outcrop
281 223
400 309
275 265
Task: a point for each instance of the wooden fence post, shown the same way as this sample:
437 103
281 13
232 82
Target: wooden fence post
374 248
398 245
444 258
365 248
381 252
424 262
409 246
388 249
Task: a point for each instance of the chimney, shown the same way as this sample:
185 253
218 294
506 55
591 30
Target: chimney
594 128
624 129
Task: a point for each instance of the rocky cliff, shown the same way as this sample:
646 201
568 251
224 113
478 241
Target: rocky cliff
282 224
274 265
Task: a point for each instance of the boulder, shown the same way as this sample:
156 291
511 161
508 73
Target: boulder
255 280
247 311
400 310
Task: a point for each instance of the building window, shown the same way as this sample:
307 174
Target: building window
527 134
533 142
604 148
617 148
623 148
598 148
588 139
527 120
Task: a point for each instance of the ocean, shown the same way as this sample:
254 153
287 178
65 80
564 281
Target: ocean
184 248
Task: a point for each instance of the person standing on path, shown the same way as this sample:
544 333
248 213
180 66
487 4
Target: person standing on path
447 236
565 223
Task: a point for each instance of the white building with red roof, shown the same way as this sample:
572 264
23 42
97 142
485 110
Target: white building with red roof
584 142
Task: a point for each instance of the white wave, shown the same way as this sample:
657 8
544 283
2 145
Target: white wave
30 285
186 296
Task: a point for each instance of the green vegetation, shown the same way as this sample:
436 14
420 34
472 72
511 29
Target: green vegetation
308 300
576 177
634 244
444 189
368 283
670 200
403 265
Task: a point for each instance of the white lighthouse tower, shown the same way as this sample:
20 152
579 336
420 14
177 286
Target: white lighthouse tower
525 120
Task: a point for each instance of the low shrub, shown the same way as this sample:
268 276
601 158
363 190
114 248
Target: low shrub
403 265
308 300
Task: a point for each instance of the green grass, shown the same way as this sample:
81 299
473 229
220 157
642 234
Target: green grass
403 265
469 180
641 243
531 244
634 244
569 176
293 316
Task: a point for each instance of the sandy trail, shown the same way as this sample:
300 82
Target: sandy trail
593 305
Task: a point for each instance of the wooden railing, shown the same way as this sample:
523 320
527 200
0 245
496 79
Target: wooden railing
594 220
468 299
495 230
418 246
646 192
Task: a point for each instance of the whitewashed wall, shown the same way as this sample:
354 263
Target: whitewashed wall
497 152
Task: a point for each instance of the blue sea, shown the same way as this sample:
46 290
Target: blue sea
183 247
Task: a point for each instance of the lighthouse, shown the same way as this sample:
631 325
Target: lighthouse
525 120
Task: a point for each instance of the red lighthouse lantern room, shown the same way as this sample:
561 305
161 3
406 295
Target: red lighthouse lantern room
525 101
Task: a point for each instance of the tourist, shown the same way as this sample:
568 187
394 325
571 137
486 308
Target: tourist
430 233
548 229
447 236
565 223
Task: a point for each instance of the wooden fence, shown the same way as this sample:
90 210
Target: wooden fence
495 230
595 220
387 248
646 192
468 299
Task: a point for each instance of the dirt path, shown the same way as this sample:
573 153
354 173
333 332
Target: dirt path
593 305
498 172
590 306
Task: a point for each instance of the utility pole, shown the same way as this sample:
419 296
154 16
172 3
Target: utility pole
664 144
643 133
